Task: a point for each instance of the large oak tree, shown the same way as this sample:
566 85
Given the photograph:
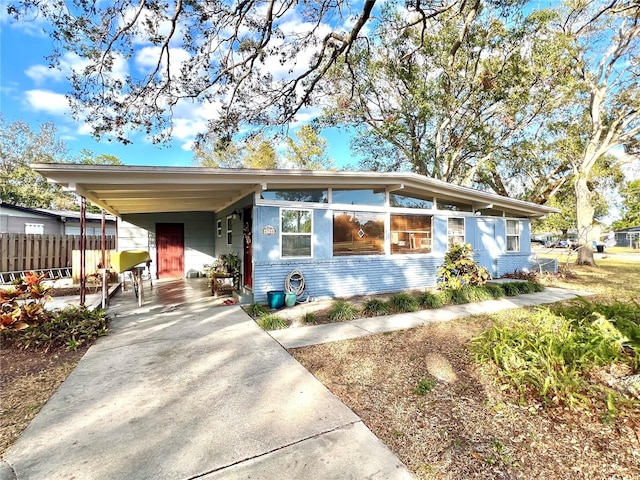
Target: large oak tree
256 61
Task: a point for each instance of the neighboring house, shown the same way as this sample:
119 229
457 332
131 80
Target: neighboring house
348 233
628 237
17 219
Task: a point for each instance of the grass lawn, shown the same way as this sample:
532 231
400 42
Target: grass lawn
448 416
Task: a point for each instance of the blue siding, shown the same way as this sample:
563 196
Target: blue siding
329 276
346 276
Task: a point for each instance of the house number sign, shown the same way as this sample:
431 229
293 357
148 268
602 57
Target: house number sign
269 230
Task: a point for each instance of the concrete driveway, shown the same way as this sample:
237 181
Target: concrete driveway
191 390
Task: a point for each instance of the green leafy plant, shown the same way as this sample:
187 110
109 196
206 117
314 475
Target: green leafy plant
425 385
511 289
256 310
374 307
403 302
460 269
625 316
71 327
341 311
431 300
548 355
459 296
479 294
270 321
309 317
23 304
230 264
495 291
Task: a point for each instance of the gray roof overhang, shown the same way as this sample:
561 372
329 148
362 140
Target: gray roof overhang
127 189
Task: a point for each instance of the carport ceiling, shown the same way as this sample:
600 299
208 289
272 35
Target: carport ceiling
126 189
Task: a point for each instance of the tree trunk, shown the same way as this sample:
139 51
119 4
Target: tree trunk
584 218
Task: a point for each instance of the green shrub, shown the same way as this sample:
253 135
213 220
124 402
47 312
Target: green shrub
624 316
445 296
460 269
403 302
257 309
496 291
549 355
309 317
269 321
459 295
431 300
479 294
527 287
342 311
71 328
374 307
511 289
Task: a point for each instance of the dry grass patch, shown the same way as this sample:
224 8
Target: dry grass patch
27 379
448 417
463 427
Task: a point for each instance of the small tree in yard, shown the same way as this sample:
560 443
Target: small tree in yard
461 269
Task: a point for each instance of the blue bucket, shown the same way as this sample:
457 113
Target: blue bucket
275 299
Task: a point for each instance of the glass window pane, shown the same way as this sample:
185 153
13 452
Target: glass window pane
453 206
296 221
410 234
358 233
310 195
406 201
455 231
296 245
513 244
513 227
358 197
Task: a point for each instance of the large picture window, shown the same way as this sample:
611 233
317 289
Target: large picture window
455 231
410 234
358 233
513 235
296 228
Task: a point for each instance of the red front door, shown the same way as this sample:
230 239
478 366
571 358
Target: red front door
170 246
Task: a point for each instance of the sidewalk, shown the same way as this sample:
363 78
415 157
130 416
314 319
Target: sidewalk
333 332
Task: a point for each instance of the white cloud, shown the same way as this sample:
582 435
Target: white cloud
41 74
48 102
69 63
146 58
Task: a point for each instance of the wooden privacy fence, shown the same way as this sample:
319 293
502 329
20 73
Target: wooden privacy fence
24 252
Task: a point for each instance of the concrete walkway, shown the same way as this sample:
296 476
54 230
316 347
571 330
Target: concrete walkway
333 332
186 390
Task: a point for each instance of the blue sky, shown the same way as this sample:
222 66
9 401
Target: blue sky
34 93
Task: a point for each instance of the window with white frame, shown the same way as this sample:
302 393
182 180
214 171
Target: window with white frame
229 230
514 227
296 227
34 228
219 228
455 231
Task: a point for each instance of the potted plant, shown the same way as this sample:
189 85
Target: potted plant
231 265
